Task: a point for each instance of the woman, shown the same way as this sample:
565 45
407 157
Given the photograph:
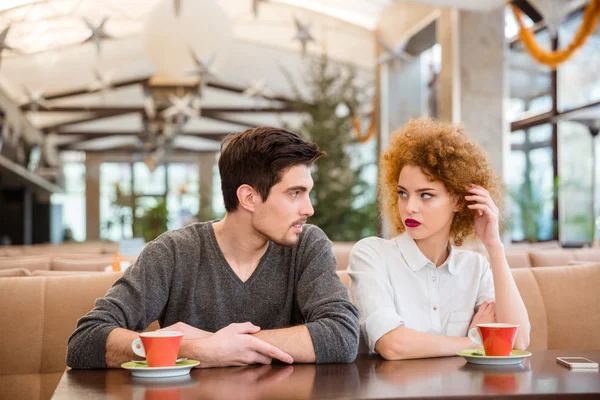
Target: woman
418 294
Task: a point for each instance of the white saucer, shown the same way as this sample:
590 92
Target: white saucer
476 356
142 370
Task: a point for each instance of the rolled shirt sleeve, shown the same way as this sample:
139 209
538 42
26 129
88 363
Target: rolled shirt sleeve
371 292
486 283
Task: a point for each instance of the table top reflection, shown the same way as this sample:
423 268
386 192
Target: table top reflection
369 377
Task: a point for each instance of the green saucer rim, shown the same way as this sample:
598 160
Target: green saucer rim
470 353
144 364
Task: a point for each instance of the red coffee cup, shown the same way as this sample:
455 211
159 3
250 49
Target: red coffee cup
159 347
497 339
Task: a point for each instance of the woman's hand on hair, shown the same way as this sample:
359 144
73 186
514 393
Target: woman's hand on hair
487 216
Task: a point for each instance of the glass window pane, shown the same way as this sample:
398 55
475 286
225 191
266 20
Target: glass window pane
516 177
532 189
218 205
115 201
183 178
529 81
517 137
542 179
540 133
182 209
149 182
579 77
575 193
73 199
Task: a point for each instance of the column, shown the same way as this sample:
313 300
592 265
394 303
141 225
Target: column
92 195
206 164
473 79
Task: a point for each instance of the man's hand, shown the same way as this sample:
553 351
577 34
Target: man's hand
189 332
234 346
485 315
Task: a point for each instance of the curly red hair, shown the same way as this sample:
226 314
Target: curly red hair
444 153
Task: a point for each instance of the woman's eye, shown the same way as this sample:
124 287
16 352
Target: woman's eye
426 196
402 194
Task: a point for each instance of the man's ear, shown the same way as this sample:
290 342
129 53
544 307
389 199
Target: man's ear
247 197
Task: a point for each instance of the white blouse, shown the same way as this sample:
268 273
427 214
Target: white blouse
393 284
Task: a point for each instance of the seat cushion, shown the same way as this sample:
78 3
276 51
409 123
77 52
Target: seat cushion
14 272
532 297
95 263
63 273
518 259
550 257
22 321
342 253
11 251
591 255
344 277
67 299
28 262
572 305
21 387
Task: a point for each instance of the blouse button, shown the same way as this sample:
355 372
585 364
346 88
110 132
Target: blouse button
434 308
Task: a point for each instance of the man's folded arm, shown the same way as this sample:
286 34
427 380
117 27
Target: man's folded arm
132 303
331 319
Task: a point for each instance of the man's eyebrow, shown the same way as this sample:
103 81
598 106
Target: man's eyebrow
294 188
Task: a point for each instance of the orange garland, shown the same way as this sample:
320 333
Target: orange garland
358 128
554 58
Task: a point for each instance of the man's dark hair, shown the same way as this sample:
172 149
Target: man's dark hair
258 157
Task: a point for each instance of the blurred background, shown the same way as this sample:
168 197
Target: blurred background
112 111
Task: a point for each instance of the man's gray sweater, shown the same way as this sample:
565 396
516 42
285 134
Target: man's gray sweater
183 276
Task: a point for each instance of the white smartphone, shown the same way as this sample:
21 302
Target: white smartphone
577 362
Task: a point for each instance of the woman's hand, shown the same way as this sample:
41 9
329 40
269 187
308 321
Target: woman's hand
487 216
485 315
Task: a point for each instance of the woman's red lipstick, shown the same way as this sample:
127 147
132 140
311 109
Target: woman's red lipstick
411 223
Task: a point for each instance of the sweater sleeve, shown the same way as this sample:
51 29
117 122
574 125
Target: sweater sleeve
133 302
323 300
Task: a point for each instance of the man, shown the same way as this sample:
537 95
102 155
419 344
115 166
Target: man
258 285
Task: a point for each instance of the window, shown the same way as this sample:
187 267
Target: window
530 82
177 183
115 210
579 78
575 189
532 184
73 198
183 199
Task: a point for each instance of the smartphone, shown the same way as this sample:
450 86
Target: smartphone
577 362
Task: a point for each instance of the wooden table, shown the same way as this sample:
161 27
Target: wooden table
369 377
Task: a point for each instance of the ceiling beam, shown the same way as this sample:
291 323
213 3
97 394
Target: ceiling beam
541 26
217 117
140 109
239 89
144 81
529 10
95 117
132 150
77 92
217 136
